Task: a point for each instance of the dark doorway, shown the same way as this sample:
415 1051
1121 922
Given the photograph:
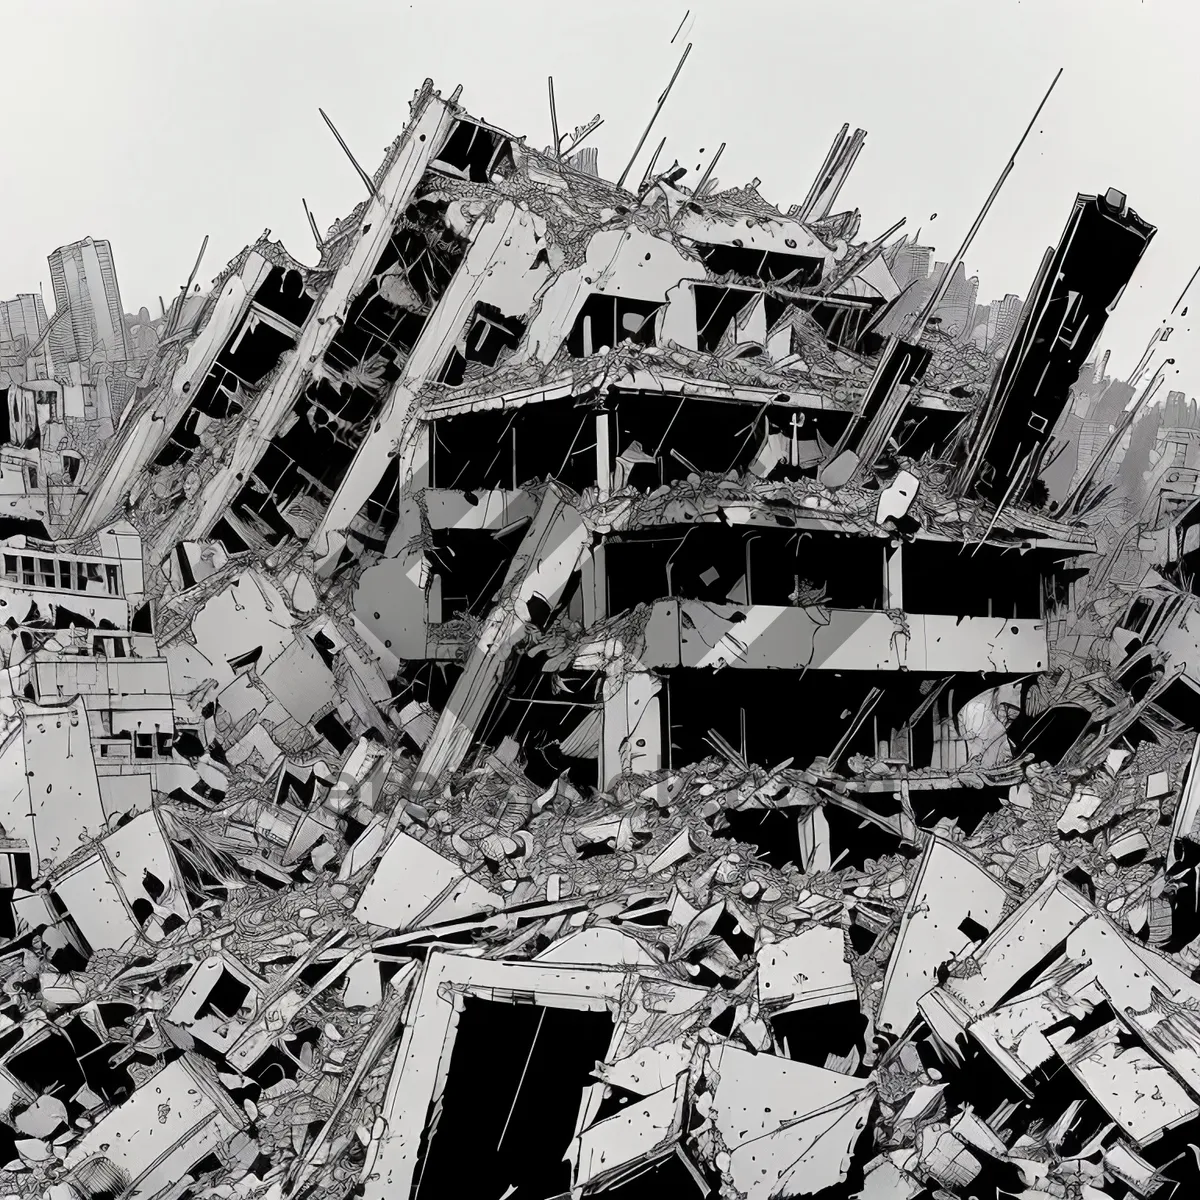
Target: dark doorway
507 1116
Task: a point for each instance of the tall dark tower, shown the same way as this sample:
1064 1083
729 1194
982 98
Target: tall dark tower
1078 285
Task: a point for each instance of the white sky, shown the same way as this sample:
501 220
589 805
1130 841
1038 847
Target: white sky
154 122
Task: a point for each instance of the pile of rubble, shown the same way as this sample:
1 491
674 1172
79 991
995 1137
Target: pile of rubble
251 989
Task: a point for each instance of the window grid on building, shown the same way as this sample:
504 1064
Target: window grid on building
61 574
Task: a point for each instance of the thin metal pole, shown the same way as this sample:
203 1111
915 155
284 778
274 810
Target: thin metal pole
312 224
367 180
521 1082
940 291
661 101
554 119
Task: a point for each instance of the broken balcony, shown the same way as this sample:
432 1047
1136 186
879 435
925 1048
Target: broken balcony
747 599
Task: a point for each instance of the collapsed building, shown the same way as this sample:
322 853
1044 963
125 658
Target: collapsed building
592 677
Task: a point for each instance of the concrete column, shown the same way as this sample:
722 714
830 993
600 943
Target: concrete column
631 742
603 455
550 553
893 577
594 585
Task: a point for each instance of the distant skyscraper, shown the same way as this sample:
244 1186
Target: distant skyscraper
84 277
1098 423
911 262
979 325
958 302
1002 321
22 323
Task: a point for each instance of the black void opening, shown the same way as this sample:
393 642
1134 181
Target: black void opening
605 321
972 581
691 434
818 1035
512 1097
500 450
720 564
769 715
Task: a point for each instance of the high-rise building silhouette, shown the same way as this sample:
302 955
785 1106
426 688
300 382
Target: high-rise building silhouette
84 277
957 306
1002 321
1071 299
911 262
22 323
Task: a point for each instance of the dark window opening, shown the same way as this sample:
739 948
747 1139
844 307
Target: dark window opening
295 480
1139 614
224 533
374 342
475 153
717 308
952 578
513 1092
504 450
255 350
606 321
46 1063
742 566
754 712
826 1036
855 840
966 807
771 266
225 998
685 435
774 832
926 431
324 646
553 718
472 564
411 275
182 442
488 335
217 395
334 732
142 620
381 510
283 293
1050 735
295 788
5 423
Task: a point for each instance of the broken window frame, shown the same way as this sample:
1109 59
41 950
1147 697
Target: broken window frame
503 144
422 1064
646 334
34 570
